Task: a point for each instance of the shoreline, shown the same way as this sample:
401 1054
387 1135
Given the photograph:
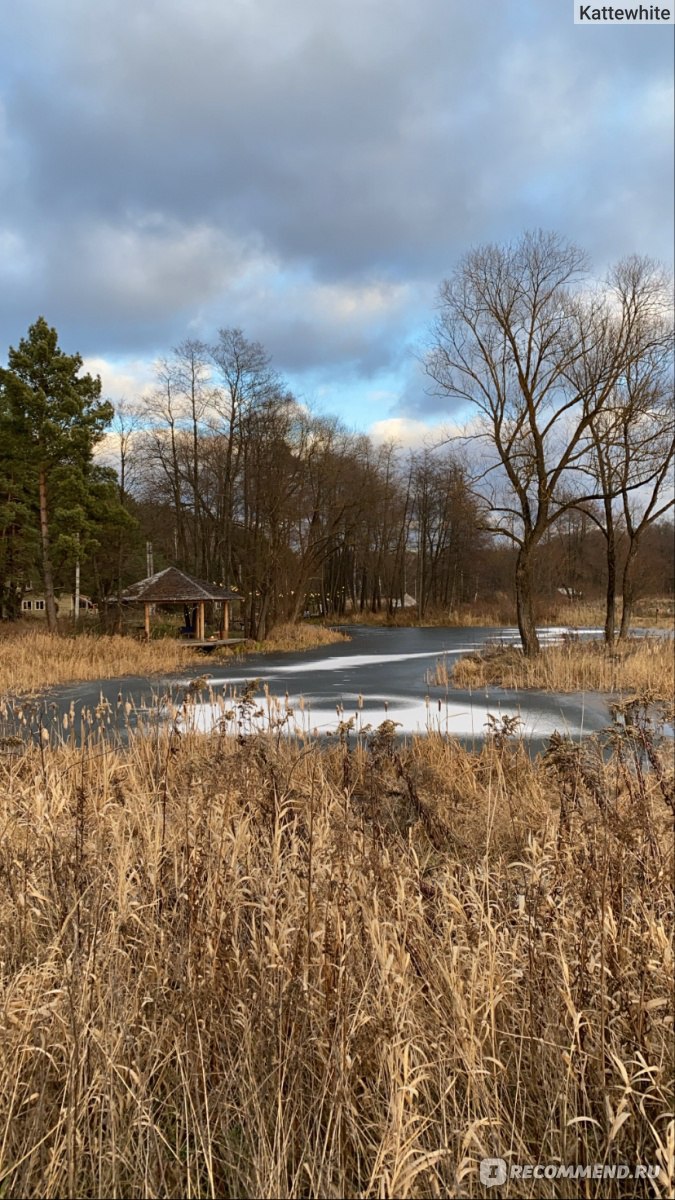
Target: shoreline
46 662
578 666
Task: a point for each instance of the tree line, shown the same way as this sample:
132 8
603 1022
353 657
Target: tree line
291 509
568 444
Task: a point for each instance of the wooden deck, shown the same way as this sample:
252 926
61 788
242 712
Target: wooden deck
212 643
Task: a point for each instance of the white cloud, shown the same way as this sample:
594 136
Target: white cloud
405 431
125 379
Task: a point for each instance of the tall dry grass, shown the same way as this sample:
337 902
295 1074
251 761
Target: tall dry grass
301 636
260 969
501 611
32 660
638 665
649 612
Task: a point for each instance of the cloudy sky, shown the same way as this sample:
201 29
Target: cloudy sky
310 172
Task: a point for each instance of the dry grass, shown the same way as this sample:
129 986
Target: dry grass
302 636
639 665
31 660
650 612
260 969
656 612
500 612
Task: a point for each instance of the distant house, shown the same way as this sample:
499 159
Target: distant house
36 606
408 602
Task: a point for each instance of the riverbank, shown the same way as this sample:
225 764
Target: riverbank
652 612
32 660
241 968
640 665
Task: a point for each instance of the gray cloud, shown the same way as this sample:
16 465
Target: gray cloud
270 165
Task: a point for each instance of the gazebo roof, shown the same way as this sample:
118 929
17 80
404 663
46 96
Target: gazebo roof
172 586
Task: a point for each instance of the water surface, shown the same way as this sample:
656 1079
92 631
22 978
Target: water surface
381 674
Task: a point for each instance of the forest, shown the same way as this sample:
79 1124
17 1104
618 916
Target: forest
560 489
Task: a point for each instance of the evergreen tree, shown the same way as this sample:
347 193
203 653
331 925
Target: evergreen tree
54 418
18 518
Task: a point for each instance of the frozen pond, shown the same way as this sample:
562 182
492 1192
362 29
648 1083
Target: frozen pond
381 674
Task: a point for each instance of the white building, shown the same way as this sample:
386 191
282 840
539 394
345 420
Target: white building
35 605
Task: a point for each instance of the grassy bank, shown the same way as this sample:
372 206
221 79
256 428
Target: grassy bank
258 970
463 617
650 612
638 665
288 637
31 660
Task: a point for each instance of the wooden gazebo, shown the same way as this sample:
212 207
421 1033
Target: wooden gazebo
172 586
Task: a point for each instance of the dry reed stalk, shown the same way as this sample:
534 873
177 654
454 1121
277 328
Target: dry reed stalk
300 636
33 660
639 665
652 612
228 972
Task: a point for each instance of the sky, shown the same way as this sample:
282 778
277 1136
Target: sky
310 172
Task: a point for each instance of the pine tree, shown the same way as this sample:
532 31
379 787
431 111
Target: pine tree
54 417
18 518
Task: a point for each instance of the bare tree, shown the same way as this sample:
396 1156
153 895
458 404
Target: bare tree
245 379
125 427
192 382
523 337
163 445
633 437
444 522
647 448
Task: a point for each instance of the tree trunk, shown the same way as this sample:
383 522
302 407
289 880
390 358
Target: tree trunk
47 574
524 604
628 590
261 623
120 561
225 619
610 602
13 602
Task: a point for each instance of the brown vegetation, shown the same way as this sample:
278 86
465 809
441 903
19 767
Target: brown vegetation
638 665
651 612
31 660
260 969
287 637
500 611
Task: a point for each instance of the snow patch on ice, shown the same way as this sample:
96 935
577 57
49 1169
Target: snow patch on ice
460 720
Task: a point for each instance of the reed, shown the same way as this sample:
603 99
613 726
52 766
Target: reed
258 968
637 665
651 612
302 636
32 660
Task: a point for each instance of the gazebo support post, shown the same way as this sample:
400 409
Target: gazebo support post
225 619
201 622
147 621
